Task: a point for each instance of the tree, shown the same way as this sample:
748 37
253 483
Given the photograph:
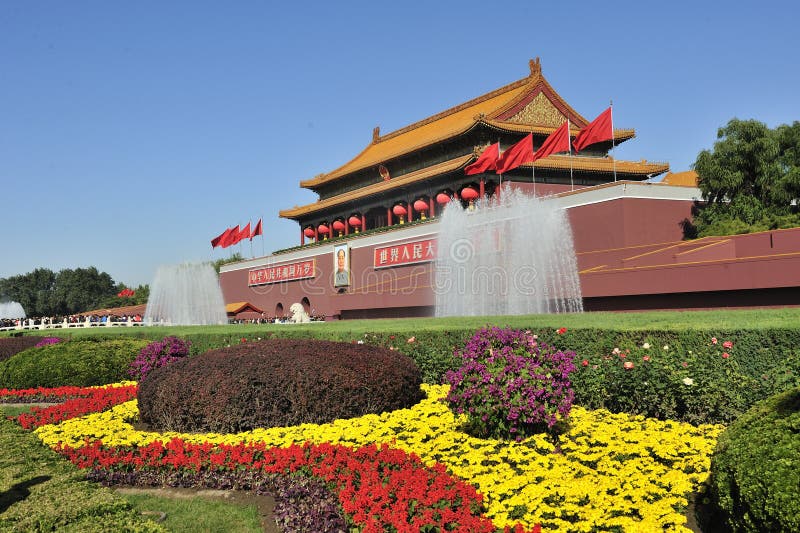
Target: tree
30 290
750 180
232 259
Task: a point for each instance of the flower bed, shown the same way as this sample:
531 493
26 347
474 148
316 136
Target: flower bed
613 471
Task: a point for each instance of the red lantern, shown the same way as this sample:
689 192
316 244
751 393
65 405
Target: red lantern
442 198
399 210
420 206
308 232
354 221
322 228
469 194
338 225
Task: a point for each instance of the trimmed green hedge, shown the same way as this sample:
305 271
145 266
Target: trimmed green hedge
755 470
762 362
85 362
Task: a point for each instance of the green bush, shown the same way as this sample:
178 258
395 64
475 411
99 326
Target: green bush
755 469
277 383
82 363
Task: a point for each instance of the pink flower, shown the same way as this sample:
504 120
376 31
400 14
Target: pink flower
714 340
585 362
725 355
684 364
727 344
628 365
646 358
615 351
412 339
623 355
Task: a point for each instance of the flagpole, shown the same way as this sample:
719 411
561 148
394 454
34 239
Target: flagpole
569 147
613 158
533 176
262 236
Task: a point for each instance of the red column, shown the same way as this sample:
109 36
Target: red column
363 222
431 211
316 234
346 227
482 190
302 236
388 216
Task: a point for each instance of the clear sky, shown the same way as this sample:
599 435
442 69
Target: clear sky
131 133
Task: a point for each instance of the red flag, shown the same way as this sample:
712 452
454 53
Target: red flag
244 233
230 238
598 130
520 153
486 161
558 141
256 230
216 241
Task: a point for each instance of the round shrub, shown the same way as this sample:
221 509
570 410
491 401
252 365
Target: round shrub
82 363
509 385
279 382
755 469
158 354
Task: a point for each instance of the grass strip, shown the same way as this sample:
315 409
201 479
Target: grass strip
39 491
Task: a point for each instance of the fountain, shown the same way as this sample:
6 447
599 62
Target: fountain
11 310
514 257
185 294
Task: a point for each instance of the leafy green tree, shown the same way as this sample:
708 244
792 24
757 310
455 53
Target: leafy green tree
750 180
30 290
232 259
80 290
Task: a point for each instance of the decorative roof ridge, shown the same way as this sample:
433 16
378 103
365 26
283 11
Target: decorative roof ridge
455 109
574 128
322 178
535 80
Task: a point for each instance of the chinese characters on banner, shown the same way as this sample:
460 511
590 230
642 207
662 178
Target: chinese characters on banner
280 273
405 254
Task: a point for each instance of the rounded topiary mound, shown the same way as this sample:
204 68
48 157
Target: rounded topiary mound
755 470
82 363
279 382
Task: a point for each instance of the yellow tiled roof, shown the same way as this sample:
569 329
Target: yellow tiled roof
619 134
459 119
687 178
238 307
553 162
600 164
380 187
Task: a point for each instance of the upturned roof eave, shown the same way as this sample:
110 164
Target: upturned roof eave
374 189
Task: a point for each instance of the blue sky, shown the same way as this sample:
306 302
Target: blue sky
131 133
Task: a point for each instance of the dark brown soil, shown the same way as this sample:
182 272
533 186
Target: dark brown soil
264 504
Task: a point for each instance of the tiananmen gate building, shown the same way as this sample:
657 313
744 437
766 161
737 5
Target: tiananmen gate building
366 247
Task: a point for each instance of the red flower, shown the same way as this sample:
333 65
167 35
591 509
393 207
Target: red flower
714 340
727 344
628 365
242 340
725 355
585 362
646 358
561 331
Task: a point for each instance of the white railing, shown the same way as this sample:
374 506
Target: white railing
29 325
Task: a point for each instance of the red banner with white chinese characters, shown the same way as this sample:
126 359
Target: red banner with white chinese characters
405 254
280 273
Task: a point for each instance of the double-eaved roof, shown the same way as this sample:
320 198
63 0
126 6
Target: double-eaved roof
524 106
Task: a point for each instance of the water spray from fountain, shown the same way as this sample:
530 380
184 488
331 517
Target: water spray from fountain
186 294
514 257
11 310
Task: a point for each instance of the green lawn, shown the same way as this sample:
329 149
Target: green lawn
661 320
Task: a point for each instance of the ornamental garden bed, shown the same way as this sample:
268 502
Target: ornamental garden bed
596 469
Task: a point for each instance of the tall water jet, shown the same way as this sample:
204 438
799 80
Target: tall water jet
185 294
512 257
11 310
